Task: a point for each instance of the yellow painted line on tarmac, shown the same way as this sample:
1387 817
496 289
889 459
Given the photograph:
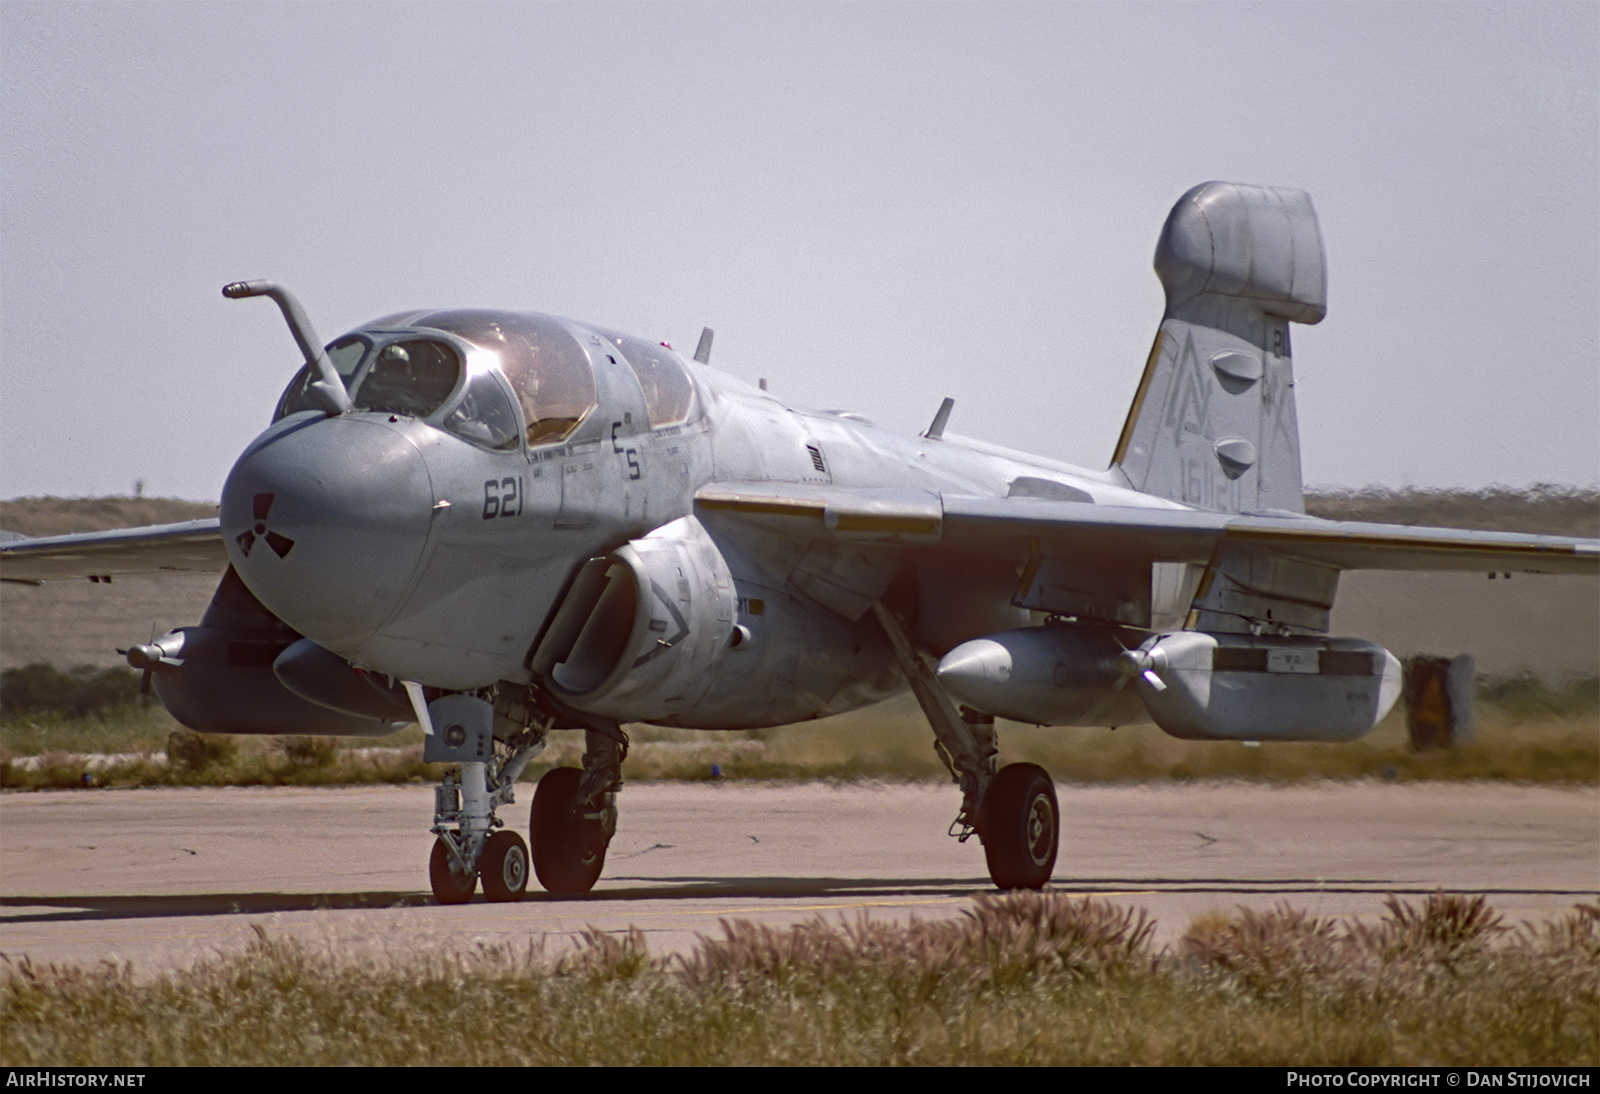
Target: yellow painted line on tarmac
770 908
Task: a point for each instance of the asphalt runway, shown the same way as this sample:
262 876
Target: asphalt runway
161 877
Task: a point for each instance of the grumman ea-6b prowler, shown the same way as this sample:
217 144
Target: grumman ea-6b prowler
504 524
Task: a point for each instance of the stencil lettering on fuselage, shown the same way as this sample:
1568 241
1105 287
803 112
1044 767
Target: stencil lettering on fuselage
662 645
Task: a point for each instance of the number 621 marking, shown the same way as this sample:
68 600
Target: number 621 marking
502 498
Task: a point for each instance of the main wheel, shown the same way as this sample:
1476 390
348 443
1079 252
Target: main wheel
449 887
1020 826
504 867
568 851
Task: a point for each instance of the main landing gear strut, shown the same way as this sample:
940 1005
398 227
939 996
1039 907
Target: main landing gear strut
1013 809
574 812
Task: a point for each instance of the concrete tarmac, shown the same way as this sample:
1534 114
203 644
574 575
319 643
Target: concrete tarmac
161 877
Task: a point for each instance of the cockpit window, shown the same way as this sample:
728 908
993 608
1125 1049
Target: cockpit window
667 390
412 378
346 355
547 368
485 415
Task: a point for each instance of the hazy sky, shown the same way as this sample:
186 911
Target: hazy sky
875 205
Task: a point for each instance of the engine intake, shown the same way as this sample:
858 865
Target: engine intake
640 631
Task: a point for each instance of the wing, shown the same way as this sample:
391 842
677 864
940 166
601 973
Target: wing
1020 528
1110 562
1193 536
194 546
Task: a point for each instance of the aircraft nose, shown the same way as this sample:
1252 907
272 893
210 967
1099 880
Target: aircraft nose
326 523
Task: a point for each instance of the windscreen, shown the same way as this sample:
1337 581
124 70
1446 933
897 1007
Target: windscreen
414 378
346 355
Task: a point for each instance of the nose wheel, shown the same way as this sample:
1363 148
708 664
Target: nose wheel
504 867
450 886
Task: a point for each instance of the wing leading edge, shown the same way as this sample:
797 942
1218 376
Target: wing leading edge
1158 567
191 546
1020 528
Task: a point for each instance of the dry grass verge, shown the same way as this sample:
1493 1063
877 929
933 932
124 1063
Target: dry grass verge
1527 731
1021 978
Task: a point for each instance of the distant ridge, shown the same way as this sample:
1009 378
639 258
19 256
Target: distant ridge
1525 625
60 516
1552 510
1541 508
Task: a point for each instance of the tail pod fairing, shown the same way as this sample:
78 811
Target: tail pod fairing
1213 424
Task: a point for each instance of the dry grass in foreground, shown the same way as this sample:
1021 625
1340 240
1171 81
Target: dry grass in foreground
1021 978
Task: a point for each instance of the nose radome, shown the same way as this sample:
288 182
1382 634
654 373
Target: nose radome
326 522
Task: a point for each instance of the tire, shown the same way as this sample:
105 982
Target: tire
503 869
449 887
1020 826
562 840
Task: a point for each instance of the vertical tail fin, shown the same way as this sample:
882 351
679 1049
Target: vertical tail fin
1213 424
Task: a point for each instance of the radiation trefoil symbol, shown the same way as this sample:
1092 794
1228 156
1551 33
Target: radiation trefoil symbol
246 539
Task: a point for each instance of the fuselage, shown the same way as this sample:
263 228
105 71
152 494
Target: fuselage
430 532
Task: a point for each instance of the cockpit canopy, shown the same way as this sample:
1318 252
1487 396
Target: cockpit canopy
548 370
668 394
392 365
519 376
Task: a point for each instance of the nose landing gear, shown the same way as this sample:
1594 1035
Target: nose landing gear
471 842
574 812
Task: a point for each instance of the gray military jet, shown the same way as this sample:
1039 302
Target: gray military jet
501 525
